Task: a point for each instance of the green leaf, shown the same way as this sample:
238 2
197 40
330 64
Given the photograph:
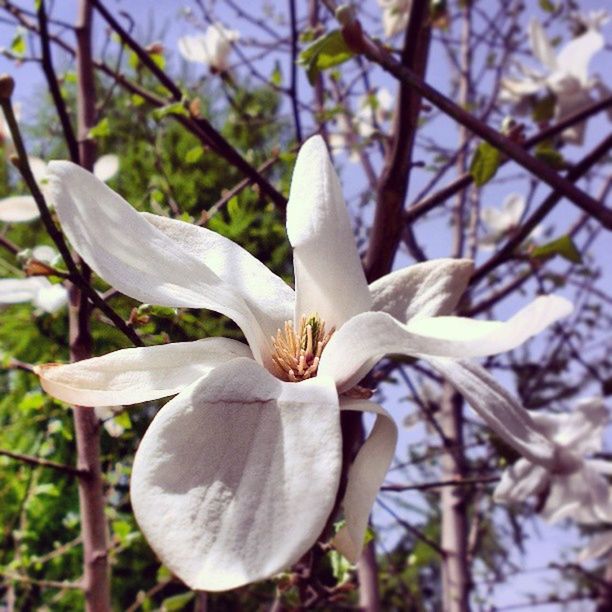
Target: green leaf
485 163
101 129
548 154
177 108
164 312
563 246
547 5
18 44
341 566
177 602
276 78
326 51
123 420
47 489
193 155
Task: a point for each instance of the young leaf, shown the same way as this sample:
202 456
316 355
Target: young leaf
101 129
563 246
548 154
176 108
326 51
485 163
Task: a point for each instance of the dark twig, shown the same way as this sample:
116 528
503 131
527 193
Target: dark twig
31 460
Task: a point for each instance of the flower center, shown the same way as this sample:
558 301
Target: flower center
297 353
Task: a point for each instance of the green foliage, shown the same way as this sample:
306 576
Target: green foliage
325 52
563 246
485 163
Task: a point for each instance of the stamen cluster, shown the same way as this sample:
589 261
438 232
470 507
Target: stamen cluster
297 353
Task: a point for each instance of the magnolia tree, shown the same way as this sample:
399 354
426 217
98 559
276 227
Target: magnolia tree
305 306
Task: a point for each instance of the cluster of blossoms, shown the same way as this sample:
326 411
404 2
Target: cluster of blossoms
566 76
236 477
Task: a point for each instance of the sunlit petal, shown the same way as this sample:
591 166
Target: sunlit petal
138 374
236 477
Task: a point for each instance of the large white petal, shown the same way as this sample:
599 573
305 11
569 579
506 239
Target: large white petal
106 167
135 257
236 477
17 290
329 277
18 209
138 374
365 477
503 414
424 290
540 45
268 296
356 347
576 56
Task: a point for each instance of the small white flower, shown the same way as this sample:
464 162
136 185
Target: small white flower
599 546
567 75
211 48
237 475
371 112
579 491
394 15
502 222
107 414
36 289
22 208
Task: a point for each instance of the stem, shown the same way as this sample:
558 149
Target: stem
455 567
96 580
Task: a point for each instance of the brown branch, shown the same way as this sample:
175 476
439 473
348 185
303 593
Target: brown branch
387 225
454 482
49 584
32 460
425 205
507 251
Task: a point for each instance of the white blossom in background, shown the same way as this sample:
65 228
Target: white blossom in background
107 415
599 546
594 20
374 113
582 492
211 48
341 138
502 222
38 290
394 15
236 476
22 208
567 75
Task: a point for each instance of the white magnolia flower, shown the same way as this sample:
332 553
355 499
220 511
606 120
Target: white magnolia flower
599 546
107 415
22 208
595 20
580 492
394 15
237 475
374 112
500 222
211 48
35 289
567 75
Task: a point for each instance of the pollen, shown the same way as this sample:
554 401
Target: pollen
297 353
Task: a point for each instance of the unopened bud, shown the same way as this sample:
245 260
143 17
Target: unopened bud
345 14
7 86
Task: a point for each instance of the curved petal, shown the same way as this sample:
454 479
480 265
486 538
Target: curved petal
520 481
576 56
361 342
18 209
193 49
44 253
540 45
600 545
503 414
17 290
583 496
135 257
51 298
137 374
365 477
106 167
495 220
236 477
426 289
39 168
268 296
568 103
329 278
